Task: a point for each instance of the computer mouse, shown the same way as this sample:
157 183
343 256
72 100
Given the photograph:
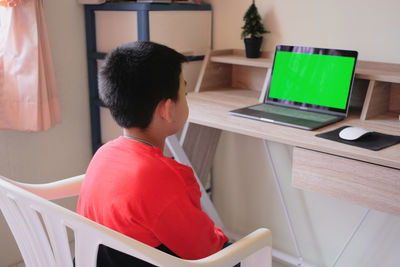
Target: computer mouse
353 133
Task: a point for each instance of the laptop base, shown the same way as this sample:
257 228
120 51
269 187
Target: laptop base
310 120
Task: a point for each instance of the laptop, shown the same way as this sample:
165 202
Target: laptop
309 87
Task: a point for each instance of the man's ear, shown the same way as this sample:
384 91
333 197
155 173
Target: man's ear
164 109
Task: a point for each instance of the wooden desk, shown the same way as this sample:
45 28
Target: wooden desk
361 176
365 177
211 108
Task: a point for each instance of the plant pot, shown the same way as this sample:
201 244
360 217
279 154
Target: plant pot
253 46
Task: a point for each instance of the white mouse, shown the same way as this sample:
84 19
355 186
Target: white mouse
353 133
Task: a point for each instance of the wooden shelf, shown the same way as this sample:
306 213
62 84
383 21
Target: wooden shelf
231 69
377 71
368 70
240 60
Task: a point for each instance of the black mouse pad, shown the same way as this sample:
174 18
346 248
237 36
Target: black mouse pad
373 141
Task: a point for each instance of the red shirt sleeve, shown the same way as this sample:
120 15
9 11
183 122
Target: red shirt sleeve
186 230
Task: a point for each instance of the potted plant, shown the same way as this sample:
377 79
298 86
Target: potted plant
252 32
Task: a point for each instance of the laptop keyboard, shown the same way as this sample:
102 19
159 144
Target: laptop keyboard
293 113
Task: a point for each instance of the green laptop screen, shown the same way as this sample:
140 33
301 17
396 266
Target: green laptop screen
315 79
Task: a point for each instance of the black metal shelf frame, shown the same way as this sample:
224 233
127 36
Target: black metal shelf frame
143 28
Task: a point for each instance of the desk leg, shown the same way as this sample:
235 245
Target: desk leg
283 202
180 156
355 230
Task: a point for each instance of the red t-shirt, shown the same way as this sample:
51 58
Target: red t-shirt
134 189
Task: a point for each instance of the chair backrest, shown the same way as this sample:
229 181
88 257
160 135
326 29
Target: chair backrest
40 228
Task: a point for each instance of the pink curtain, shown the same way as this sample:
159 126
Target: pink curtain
28 95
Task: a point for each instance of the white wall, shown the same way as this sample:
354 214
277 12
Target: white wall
64 150
368 26
244 191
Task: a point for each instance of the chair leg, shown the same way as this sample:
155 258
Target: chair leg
260 258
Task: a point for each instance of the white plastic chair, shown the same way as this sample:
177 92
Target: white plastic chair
40 229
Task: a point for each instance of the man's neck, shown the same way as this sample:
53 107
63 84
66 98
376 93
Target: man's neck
147 136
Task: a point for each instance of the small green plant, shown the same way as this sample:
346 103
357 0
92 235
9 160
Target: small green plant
253 26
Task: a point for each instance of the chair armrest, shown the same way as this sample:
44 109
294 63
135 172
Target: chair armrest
249 245
252 250
54 190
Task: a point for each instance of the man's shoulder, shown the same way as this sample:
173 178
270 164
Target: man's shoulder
177 167
180 172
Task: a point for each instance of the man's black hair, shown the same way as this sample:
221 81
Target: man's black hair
135 77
